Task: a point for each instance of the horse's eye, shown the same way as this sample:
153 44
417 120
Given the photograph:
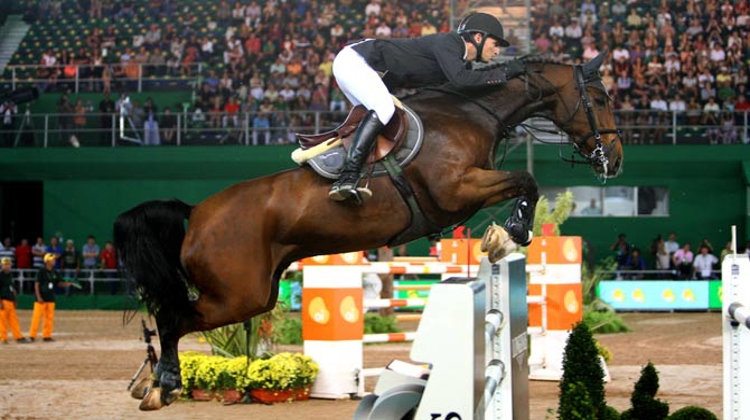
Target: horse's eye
600 101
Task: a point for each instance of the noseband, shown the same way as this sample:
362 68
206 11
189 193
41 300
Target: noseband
599 155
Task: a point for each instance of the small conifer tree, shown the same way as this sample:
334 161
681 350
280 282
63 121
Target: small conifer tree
576 404
645 405
581 366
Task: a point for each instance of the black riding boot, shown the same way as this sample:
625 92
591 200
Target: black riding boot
362 144
521 222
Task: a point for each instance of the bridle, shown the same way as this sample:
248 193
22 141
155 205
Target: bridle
599 155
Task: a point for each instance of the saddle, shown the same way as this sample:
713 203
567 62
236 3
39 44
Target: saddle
391 137
396 147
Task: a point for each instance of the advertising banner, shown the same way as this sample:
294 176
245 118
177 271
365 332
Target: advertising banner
655 295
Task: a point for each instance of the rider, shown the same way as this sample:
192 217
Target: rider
414 62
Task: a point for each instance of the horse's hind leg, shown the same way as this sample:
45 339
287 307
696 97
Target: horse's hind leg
167 382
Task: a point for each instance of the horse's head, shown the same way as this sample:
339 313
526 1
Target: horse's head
580 106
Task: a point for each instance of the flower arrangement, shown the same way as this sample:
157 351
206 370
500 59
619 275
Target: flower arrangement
284 372
208 372
189 362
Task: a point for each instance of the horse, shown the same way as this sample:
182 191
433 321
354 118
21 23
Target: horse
224 265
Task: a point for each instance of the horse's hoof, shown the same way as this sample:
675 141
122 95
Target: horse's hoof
152 400
171 396
142 388
490 238
499 244
486 239
496 255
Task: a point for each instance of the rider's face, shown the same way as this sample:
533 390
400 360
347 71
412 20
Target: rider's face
491 49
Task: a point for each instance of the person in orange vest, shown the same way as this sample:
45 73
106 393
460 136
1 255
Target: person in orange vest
8 316
44 307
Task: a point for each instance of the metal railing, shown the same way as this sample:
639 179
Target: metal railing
77 78
89 276
188 128
671 274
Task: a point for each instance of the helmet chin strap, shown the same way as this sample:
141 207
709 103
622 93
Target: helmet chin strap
479 47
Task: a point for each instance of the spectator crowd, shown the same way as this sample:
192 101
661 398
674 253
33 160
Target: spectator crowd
256 56
682 55
72 261
263 56
670 259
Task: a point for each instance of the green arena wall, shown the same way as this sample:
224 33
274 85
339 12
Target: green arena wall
83 190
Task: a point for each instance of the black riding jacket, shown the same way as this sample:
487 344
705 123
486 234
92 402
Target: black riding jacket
426 61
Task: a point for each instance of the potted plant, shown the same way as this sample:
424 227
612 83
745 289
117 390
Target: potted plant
189 363
283 377
232 379
207 378
306 372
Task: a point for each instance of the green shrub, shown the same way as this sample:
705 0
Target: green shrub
692 412
600 317
603 321
581 366
376 324
288 331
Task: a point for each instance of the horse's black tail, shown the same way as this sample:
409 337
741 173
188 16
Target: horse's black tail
148 239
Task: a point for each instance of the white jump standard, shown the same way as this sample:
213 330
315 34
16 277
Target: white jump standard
473 338
736 330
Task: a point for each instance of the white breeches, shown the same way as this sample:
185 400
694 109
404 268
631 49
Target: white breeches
362 85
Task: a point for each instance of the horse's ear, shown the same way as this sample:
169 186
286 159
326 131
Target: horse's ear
591 68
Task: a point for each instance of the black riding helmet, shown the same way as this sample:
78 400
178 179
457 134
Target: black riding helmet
485 24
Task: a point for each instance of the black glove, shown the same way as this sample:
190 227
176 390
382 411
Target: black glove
514 68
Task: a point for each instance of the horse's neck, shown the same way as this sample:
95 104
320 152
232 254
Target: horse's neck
537 94
514 103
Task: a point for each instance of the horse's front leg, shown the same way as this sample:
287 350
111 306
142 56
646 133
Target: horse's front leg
167 382
493 187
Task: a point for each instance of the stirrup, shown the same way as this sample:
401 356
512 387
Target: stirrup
350 190
340 192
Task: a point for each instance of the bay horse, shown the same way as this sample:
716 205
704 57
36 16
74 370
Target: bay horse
225 266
